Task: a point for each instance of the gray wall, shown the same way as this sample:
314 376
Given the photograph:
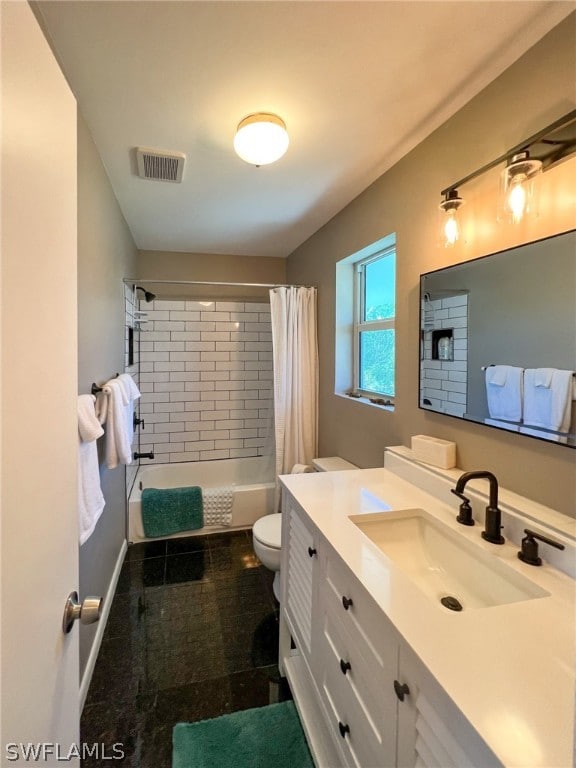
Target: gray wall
106 254
536 90
166 265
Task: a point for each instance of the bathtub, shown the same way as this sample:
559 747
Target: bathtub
252 478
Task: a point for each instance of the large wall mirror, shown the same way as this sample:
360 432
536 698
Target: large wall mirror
498 335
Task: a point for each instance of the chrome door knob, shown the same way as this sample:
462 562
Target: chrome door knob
88 611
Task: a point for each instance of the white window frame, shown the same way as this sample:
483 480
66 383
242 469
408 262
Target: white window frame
370 325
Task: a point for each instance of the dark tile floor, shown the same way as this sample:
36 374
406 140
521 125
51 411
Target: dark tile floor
192 634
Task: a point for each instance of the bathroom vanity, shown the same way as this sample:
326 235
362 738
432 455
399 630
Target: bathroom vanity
384 674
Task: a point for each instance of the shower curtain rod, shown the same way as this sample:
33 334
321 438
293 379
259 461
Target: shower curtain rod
211 282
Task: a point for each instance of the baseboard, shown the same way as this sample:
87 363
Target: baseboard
91 663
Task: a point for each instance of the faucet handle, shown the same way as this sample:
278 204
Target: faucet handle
465 499
529 552
464 516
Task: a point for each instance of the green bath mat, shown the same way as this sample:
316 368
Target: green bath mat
265 737
170 510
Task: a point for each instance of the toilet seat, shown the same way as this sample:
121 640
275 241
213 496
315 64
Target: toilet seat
268 530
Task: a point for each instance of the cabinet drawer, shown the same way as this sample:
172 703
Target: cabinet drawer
355 732
369 628
371 686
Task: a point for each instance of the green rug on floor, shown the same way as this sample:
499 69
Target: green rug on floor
265 737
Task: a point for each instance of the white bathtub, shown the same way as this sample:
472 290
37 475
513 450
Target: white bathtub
252 478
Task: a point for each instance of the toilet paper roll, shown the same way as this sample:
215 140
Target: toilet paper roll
298 469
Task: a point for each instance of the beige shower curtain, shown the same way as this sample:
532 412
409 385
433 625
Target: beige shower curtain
295 356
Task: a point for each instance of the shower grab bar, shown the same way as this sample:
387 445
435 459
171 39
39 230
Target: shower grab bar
96 389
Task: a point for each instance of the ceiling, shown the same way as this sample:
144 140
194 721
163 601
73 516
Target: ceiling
357 83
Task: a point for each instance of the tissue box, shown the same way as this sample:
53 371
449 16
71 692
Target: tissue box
432 450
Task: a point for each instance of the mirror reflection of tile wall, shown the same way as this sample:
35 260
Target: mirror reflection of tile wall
444 378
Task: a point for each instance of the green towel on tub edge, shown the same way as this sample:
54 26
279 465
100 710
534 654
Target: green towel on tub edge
169 510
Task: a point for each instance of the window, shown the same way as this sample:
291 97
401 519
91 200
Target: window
374 324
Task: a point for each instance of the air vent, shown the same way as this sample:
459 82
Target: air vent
159 165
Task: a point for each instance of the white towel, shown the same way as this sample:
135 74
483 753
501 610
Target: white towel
497 375
505 399
217 505
130 393
90 498
89 428
543 377
102 407
548 407
118 434
129 389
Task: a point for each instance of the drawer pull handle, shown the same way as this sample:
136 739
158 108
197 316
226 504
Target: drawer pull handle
401 690
311 551
344 729
345 666
346 602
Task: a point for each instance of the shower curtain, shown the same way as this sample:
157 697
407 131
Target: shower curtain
295 359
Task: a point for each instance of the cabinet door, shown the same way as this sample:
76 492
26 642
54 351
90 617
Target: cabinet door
298 573
432 732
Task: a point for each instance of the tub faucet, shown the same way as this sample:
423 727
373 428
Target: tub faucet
492 524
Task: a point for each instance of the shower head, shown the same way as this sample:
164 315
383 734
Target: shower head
147 295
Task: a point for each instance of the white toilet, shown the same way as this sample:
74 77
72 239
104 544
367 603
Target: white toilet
267 531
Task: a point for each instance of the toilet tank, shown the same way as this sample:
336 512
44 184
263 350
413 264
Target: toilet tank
332 464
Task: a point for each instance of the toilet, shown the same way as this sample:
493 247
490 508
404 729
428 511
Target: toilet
267 531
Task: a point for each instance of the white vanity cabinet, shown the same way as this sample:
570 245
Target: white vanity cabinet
357 656
431 729
364 698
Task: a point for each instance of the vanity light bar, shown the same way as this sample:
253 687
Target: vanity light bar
556 147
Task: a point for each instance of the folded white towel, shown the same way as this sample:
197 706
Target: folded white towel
543 377
548 407
497 375
505 399
89 428
217 505
90 498
118 434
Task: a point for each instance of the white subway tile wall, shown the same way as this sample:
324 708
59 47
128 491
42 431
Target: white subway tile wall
444 383
206 380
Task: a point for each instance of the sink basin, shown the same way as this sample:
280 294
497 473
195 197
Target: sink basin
443 564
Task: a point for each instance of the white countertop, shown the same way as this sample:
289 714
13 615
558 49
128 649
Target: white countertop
510 669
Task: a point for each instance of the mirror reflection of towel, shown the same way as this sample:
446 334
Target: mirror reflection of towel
550 406
504 384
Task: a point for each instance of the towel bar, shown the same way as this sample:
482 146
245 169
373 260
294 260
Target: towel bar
492 365
96 389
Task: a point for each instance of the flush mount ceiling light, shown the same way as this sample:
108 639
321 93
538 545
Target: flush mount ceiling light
261 138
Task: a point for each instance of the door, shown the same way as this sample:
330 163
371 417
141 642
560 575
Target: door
38 423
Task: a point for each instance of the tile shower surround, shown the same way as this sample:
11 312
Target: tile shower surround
206 380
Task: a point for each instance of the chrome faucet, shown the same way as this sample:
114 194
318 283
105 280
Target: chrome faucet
492 523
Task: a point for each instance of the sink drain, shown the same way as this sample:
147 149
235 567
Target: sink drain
451 602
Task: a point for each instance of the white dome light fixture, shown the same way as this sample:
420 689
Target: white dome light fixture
261 138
